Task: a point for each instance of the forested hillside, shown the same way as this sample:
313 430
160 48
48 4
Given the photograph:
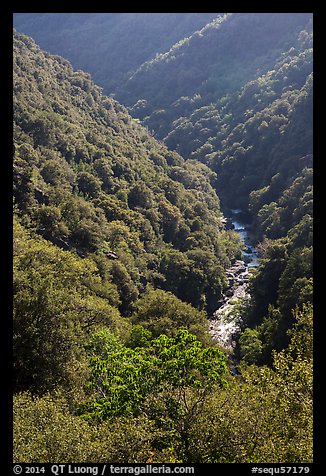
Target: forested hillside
215 60
122 251
110 46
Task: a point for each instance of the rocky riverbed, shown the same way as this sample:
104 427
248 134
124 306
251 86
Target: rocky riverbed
225 321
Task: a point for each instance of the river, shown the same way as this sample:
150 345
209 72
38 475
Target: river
241 226
225 321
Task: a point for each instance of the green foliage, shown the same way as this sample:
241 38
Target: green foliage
139 337
58 298
161 312
283 282
124 379
192 276
168 380
263 415
102 343
45 431
88 184
250 345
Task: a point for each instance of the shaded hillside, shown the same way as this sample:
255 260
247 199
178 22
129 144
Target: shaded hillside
110 46
215 60
265 129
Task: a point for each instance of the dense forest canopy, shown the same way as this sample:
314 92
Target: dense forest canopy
122 251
